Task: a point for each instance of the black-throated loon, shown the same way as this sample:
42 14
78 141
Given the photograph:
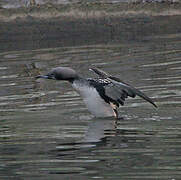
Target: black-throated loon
102 95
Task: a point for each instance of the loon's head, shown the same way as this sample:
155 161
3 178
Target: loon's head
60 73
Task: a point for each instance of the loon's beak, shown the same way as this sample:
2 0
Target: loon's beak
48 76
42 76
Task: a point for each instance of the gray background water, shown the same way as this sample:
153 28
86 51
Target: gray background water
46 131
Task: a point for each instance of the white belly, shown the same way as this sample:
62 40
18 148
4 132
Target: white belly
95 104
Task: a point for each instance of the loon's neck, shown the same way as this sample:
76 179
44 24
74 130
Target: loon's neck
76 79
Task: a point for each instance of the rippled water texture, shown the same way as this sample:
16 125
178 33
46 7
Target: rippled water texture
47 133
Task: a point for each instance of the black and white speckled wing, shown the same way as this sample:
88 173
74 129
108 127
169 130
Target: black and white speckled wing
116 91
103 86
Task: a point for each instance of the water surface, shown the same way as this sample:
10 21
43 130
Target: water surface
46 131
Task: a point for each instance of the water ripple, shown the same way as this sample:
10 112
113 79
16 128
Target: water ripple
46 129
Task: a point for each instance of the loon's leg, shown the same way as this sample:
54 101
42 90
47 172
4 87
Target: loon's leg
114 107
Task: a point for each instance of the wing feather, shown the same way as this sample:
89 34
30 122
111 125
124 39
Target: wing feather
119 90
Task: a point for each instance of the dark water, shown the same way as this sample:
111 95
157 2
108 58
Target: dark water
47 133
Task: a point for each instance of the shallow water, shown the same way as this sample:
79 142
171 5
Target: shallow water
46 131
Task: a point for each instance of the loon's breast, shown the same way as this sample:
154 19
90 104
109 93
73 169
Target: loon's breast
95 104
